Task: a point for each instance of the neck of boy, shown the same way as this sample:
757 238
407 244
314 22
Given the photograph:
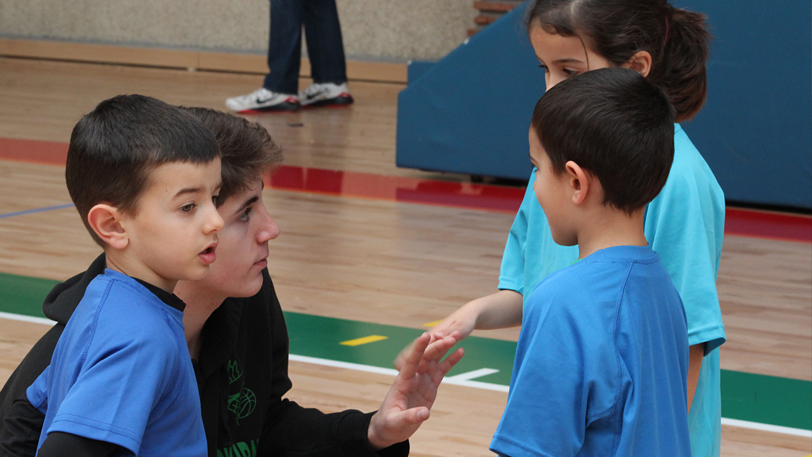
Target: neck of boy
200 304
122 263
611 227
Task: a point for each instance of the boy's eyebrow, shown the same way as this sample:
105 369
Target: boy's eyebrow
189 190
247 203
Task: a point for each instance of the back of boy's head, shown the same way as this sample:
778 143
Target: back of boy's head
246 149
614 124
114 148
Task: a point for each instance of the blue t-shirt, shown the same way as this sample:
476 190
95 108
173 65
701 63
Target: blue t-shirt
601 363
121 373
684 224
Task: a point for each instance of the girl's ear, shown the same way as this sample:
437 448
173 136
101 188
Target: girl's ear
578 180
106 220
640 62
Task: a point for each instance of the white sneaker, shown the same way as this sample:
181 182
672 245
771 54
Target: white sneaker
263 100
325 94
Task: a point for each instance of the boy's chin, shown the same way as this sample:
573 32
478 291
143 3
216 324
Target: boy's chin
198 274
254 287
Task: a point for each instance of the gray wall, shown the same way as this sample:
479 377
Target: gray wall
396 30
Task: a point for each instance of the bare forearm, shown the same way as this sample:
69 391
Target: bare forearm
500 310
695 355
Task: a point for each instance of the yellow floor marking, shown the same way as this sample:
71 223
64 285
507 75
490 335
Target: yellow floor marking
432 324
364 340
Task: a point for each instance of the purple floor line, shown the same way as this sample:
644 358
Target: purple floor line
37 210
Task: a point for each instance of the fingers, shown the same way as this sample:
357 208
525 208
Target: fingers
438 349
415 354
401 357
450 361
424 351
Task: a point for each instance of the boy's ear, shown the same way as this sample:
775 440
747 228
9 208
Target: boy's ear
640 62
105 220
578 180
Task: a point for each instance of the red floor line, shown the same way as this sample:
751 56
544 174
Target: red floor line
738 222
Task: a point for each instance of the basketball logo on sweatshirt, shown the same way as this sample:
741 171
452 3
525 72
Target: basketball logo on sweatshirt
242 402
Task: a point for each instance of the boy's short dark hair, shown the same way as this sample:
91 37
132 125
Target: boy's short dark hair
616 125
114 147
246 149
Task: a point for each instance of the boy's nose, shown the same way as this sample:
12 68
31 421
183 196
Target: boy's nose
215 221
269 229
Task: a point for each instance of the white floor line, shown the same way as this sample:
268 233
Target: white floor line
767 428
393 372
20 317
463 379
472 374
347 365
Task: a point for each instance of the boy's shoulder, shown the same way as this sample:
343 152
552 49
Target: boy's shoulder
119 308
603 269
595 283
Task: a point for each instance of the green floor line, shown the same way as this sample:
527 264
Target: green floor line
745 396
23 294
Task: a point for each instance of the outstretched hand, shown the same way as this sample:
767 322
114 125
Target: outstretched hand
459 324
409 400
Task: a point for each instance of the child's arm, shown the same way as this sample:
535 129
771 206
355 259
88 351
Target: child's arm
19 433
695 355
500 310
66 445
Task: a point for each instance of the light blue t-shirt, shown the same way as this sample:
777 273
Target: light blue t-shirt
121 373
684 224
601 363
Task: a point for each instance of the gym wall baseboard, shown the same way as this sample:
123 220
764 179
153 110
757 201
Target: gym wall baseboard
187 59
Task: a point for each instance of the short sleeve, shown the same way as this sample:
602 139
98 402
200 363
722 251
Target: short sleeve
565 377
37 392
685 226
511 274
117 389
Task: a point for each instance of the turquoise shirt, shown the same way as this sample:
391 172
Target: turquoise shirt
684 224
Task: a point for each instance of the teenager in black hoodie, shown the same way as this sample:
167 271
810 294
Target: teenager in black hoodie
238 339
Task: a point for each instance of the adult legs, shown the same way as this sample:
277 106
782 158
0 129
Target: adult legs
284 46
325 46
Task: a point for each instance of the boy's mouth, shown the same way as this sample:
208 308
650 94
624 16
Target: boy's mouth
208 255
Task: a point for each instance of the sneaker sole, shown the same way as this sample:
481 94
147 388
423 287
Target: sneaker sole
284 106
331 101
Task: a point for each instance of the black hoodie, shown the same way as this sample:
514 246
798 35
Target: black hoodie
242 375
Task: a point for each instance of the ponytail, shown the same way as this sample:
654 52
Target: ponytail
681 67
616 29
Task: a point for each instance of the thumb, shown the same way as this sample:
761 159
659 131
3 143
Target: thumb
414 416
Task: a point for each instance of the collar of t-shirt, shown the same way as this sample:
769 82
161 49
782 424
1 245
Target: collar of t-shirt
170 299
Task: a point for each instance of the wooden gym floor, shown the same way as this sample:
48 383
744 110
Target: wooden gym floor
351 249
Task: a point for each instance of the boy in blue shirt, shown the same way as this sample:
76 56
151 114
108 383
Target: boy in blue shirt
602 359
143 176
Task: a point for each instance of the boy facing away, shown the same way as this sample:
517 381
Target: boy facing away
143 176
602 358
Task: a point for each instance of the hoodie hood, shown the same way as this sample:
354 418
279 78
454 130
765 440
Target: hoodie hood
63 299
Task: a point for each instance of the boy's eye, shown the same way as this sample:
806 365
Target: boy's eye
544 67
244 215
570 72
187 208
